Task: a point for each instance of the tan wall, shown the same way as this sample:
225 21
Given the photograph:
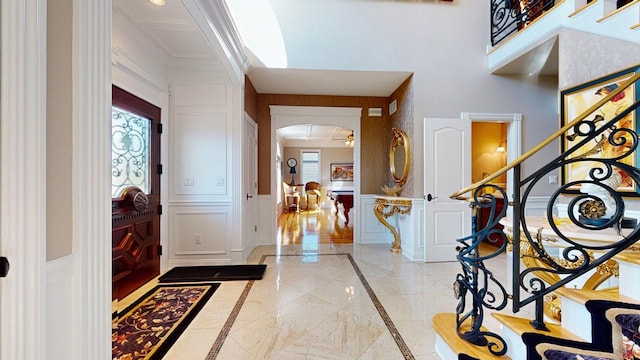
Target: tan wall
403 119
250 98
59 126
373 129
328 155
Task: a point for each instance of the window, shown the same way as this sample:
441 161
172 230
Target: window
310 170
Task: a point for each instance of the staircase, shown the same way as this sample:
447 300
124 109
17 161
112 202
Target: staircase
575 274
535 38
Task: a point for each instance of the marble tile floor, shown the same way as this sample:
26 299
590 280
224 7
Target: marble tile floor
339 301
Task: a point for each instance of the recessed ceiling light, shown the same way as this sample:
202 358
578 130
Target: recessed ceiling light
157 2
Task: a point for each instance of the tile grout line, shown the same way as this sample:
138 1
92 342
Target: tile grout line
224 332
226 328
404 349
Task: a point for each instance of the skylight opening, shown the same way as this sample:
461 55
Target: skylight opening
260 31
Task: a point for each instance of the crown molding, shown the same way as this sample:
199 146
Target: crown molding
216 24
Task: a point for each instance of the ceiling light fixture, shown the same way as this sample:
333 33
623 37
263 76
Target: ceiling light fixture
157 2
350 140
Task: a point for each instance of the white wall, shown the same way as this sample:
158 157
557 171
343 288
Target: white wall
203 214
201 223
450 76
140 67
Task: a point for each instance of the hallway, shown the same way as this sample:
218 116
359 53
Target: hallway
322 299
312 227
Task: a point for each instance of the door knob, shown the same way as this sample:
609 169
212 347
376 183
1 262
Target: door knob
249 196
429 197
4 266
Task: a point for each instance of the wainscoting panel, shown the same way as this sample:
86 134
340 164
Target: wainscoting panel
200 95
60 282
411 229
199 157
266 223
371 230
201 235
536 206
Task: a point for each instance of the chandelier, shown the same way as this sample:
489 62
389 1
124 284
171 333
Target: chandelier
350 140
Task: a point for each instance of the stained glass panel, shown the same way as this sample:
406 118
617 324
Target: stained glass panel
130 151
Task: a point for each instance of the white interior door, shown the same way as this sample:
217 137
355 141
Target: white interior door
447 169
250 185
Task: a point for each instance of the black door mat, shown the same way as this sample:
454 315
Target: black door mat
213 273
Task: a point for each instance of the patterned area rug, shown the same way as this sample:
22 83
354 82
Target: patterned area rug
148 328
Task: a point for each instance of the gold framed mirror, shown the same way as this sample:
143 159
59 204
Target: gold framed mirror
399 156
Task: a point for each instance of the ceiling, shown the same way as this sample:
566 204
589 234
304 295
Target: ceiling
311 135
326 82
170 26
173 29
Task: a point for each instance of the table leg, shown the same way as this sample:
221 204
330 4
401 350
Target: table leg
378 210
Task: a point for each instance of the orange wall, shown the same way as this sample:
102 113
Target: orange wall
486 137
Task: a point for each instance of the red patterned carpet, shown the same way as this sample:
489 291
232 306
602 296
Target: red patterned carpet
148 328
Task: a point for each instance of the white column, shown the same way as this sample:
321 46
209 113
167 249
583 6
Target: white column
22 179
91 179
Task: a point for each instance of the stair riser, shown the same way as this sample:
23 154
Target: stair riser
515 346
443 350
629 275
576 319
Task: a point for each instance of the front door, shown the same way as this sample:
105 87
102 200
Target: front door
135 192
447 169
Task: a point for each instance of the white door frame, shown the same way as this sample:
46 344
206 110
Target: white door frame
346 117
513 152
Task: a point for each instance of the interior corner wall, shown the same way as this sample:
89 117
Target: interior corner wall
604 55
59 114
373 133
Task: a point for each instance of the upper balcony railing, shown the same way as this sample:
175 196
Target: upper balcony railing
602 142
510 16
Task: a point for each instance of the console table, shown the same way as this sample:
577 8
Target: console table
384 207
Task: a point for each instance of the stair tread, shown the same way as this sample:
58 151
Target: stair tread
523 325
630 6
583 9
582 296
630 257
445 325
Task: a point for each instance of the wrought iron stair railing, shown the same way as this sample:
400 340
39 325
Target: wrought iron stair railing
477 288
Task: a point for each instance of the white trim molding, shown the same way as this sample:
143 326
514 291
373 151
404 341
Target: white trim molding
22 179
216 24
347 117
514 136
